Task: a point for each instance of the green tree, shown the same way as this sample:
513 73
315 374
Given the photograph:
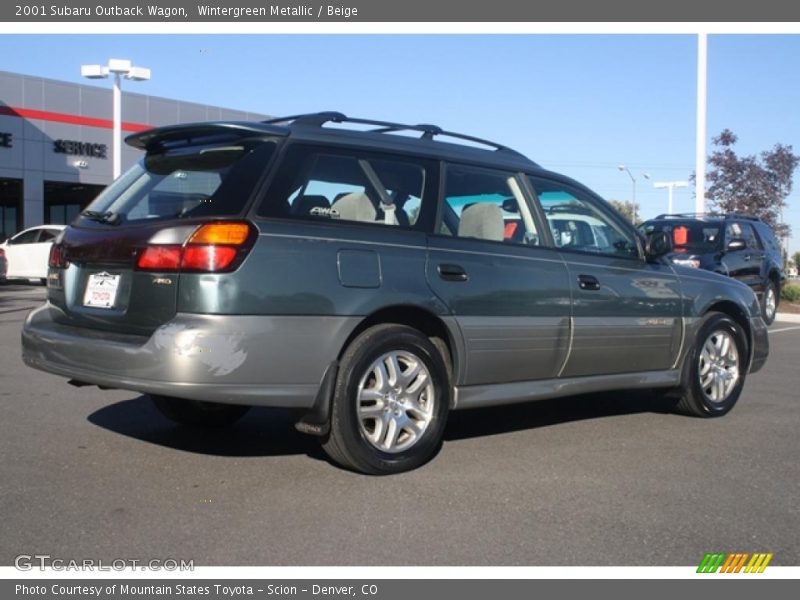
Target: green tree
625 208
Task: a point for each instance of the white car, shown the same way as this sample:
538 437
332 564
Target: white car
27 252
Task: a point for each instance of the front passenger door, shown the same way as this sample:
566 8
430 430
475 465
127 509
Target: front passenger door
626 313
735 261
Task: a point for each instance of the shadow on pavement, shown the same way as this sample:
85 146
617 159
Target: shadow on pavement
544 413
261 432
270 431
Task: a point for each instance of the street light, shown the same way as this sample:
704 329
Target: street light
119 68
670 185
633 181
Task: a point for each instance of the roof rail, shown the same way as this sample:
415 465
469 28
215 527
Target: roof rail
686 215
699 215
428 131
734 215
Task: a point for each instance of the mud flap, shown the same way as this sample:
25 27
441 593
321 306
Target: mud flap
317 421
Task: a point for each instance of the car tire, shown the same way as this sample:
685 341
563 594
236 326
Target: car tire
196 413
715 368
390 403
769 303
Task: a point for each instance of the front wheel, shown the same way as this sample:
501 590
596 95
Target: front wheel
769 303
196 413
716 368
391 402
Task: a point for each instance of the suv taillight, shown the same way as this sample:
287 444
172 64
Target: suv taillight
57 259
213 248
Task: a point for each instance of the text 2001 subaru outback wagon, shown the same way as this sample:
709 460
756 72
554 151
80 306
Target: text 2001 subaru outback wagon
375 280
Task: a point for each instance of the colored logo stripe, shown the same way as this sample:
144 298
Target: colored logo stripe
758 563
46 115
711 563
734 562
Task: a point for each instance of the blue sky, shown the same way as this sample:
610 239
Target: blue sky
578 104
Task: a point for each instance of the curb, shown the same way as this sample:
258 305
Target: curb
787 318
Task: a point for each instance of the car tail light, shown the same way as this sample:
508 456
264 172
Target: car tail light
160 258
2 253
57 259
212 248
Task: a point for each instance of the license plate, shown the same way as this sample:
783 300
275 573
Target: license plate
101 290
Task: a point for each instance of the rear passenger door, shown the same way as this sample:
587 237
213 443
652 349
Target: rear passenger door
508 292
40 252
626 312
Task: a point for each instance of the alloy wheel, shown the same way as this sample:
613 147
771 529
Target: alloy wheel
396 401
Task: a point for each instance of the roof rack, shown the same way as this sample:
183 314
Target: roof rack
699 215
428 131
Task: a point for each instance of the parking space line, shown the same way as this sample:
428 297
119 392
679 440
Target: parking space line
784 329
13 310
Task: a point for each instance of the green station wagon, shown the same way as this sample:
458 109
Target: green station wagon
374 276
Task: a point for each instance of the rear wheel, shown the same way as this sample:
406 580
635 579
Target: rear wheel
196 413
715 372
769 303
391 402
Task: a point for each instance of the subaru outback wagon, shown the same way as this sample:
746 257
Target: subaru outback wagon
374 276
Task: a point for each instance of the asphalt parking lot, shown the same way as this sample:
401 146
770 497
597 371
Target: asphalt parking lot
611 479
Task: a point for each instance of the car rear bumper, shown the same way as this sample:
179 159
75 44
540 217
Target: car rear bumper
253 360
759 338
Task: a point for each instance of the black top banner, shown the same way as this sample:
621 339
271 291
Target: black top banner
465 11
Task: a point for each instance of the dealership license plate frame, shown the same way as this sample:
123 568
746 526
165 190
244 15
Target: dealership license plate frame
101 290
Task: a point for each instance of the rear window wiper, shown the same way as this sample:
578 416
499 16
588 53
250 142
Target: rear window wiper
111 218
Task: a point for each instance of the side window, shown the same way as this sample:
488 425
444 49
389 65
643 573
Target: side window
338 187
764 233
29 237
750 237
47 235
578 223
488 205
733 231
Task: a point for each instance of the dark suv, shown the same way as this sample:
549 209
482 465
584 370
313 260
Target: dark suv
739 246
374 276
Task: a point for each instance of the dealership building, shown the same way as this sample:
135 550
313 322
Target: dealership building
56 143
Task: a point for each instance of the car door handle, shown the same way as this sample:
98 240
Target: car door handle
450 272
588 283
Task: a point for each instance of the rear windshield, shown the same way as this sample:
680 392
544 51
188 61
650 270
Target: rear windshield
208 181
688 236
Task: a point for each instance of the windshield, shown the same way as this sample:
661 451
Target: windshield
688 236
192 181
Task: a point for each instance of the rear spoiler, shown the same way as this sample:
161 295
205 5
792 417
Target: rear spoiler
186 134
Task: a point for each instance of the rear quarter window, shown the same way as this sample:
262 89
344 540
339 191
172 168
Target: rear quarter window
339 186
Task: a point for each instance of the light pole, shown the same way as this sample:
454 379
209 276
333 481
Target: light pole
119 68
700 141
633 181
670 185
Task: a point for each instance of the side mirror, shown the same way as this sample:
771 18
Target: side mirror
657 245
736 244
